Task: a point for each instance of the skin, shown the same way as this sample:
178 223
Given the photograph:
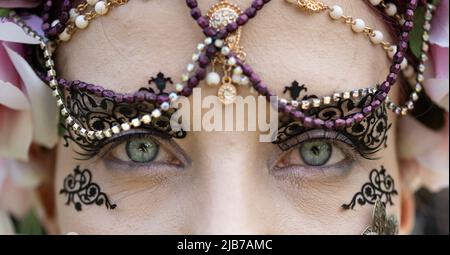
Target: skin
226 186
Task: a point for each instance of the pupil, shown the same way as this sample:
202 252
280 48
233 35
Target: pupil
315 153
142 150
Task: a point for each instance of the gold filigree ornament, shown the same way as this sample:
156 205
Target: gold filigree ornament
220 15
382 224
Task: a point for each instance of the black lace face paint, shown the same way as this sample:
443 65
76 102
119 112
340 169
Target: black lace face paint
367 137
80 190
99 113
380 187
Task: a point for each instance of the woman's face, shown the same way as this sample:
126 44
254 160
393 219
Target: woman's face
229 182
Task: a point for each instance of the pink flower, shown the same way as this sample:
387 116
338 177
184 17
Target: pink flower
429 158
28 114
27 110
19 3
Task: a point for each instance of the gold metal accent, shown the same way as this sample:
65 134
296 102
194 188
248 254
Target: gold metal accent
227 91
312 5
382 225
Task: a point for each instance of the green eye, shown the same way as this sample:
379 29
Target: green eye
142 150
315 153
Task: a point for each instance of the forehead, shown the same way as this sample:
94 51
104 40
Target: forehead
123 49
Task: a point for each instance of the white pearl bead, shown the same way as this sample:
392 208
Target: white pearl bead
184 77
190 67
91 2
245 81
125 126
200 46
336 12
165 106
391 9
101 8
208 41
225 51
179 87
218 43
392 50
73 14
377 37
238 70
236 78
195 57
173 96
213 79
81 22
146 119
232 61
375 2
64 36
54 23
358 25
156 113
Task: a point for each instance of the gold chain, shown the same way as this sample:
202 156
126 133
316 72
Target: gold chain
312 5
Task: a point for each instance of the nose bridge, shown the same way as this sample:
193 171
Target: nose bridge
228 184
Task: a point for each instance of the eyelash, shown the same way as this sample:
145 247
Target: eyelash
101 149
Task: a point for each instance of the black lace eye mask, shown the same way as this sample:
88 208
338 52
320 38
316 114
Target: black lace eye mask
100 113
368 137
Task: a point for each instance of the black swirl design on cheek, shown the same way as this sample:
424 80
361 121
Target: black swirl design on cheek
368 137
80 190
380 187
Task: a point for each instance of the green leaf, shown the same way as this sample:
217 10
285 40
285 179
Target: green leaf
415 42
4 12
29 225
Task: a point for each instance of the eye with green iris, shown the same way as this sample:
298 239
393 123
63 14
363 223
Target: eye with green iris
316 153
142 150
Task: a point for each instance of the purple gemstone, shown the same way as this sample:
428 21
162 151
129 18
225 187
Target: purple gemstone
298 115
258 4
163 98
319 123
108 94
196 13
192 82
129 98
203 61
119 97
186 92
98 91
329 124
367 110
203 22
375 104
358 117
349 122
90 88
254 78
340 123
209 31
392 78
250 12
408 26
381 96
242 19
200 73
222 34
232 27
211 51
191 3
247 69
150 97
139 96
308 122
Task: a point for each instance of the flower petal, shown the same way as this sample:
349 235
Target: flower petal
19 3
6 226
439 28
11 32
12 97
44 109
16 133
